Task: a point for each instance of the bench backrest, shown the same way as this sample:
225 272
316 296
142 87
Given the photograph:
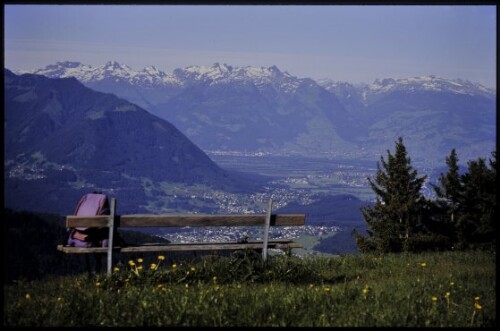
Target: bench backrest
114 221
171 220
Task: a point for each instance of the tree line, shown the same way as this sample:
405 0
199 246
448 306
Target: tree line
402 220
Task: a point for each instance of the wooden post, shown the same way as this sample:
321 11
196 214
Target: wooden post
87 263
266 229
111 224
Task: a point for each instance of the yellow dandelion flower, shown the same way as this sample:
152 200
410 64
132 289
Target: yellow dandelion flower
27 296
174 265
326 289
139 260
161 257
477 306
97 284
365 290
153 266
477 298
193 269
131 263
447 295
139 267
452 283
423 264
116 269
434 298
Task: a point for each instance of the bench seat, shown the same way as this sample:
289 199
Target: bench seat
114 221
179 247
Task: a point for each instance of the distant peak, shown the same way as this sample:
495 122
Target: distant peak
68 64
63 65
112 64
429 83
222 67
151 70
274 68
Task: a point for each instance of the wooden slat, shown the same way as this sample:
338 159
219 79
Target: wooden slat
280 244
170 220
86 221
111 225
271 241
205 247
267 224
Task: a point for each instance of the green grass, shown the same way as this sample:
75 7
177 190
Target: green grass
452 289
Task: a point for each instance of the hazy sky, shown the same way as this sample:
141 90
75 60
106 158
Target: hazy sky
351 43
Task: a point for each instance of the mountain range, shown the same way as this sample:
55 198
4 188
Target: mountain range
226 108
142 136
63 139
54 124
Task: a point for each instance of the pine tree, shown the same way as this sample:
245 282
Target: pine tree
399 208
475 226
449 197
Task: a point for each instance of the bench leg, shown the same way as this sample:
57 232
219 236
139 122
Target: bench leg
111 225
98 263
87 264
266 229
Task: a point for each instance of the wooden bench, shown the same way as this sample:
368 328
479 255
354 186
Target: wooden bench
114 221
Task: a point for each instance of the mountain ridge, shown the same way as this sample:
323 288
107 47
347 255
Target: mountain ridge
218 72
61 135
265 110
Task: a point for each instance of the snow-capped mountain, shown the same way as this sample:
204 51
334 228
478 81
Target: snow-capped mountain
150 86
221 107
220 74
429 83
223 73
152 76
149 76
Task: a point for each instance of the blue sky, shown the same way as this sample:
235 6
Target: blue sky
351 43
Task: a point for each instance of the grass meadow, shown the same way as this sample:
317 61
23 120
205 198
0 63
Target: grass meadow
447 289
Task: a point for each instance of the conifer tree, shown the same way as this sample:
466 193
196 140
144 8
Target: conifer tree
399 208
475 225
450 197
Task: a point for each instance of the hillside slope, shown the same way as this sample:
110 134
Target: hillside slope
63 137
